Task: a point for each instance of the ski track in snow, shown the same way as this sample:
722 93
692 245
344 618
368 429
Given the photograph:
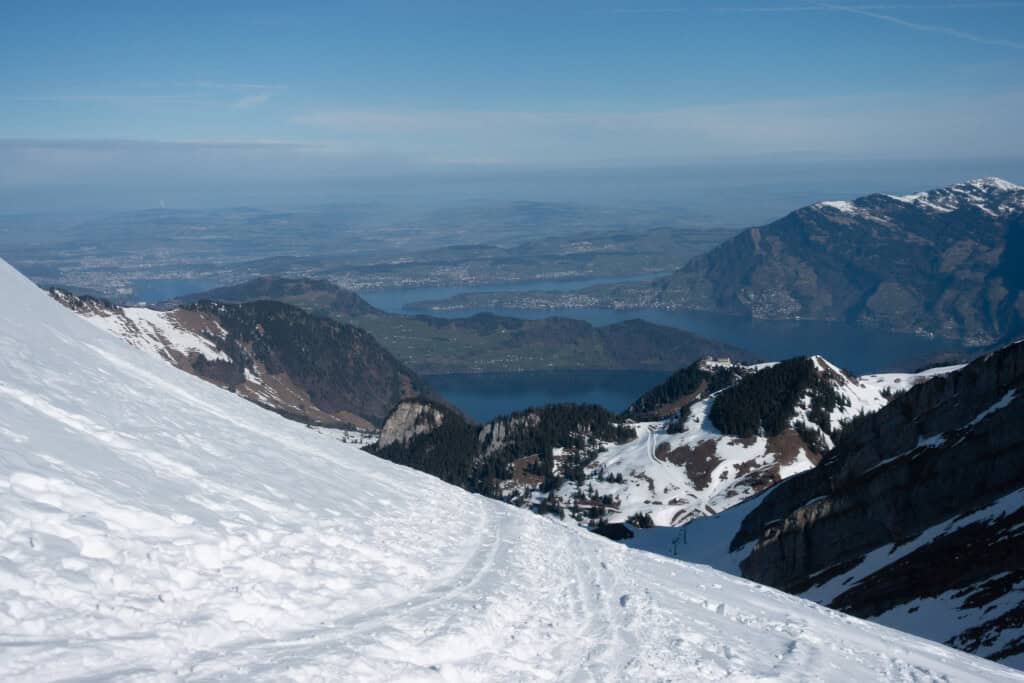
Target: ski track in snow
155 527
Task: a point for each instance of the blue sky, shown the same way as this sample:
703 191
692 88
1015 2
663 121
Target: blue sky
274 90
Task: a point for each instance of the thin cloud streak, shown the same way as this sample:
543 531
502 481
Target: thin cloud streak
870 11
817 7
878 7
250 101
927 28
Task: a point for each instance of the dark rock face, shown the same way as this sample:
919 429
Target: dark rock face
83 304
312 369
935 483
432 438
945 262
409 420
340 367
438 440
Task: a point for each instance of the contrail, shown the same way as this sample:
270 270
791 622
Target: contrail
883 7
925 28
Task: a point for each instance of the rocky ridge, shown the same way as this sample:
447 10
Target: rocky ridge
943 262
915 519
312 369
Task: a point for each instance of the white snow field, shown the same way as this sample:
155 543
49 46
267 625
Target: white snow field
656 486
156 527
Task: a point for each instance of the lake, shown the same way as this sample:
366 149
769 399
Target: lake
483 396
486 396
154 291
858 349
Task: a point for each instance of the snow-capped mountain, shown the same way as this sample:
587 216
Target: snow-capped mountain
944 262
156 527
993 196
915 519
315 370
778 420
724 431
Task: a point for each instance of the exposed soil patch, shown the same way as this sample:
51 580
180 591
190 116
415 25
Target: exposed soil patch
521 471
787 446
699 462
682 402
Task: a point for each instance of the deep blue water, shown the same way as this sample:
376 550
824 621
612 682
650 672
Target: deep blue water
858 349
485 396
155 291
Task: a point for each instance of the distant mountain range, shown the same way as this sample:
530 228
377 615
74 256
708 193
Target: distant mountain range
946 262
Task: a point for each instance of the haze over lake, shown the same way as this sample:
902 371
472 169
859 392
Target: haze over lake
856 348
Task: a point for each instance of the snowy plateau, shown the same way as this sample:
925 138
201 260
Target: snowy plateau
156 527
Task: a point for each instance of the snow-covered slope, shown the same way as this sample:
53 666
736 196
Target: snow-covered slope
174 335
314 370
155 527
915 520
685 467
993 196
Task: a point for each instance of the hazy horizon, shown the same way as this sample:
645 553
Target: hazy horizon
732 193
200 106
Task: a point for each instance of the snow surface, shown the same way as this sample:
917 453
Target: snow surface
707 540
663 489
944 616
993 196
155 527
998 405
886 555
656 487
840 205
851 208
154 331
993 183
870 393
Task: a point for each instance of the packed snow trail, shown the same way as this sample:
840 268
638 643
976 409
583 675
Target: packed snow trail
155 527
